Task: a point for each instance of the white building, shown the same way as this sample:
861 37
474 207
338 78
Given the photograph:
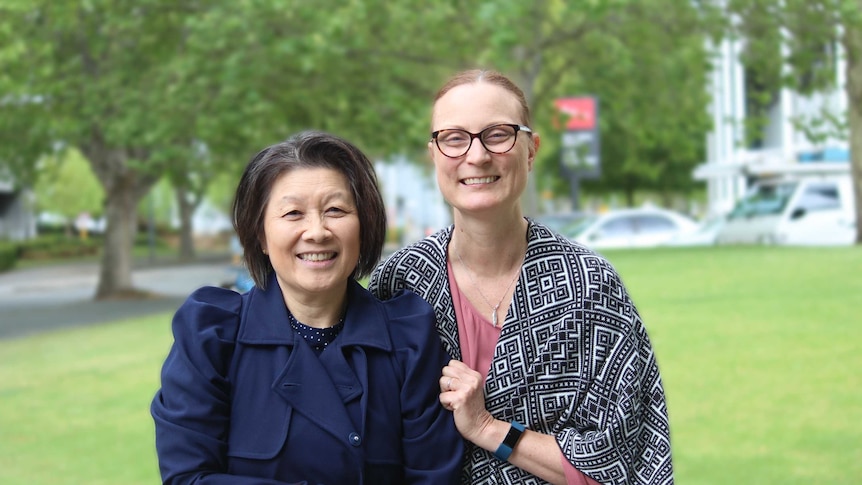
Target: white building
731 165
17 221
413 202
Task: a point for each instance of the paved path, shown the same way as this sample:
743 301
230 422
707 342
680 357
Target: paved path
39 299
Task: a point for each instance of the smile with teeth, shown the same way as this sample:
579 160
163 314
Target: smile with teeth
316 256
479 180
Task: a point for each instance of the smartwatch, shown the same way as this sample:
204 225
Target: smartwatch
508 444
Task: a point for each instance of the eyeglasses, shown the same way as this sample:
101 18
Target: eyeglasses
497 139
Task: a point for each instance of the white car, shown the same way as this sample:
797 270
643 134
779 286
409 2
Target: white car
806 212
705 235
631 228
559 221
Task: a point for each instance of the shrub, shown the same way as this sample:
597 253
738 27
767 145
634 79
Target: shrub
8 255
58 246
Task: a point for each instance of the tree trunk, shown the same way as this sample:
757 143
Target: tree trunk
115 277
124 188
186 209
853 48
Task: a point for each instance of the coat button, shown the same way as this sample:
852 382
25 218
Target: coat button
354 439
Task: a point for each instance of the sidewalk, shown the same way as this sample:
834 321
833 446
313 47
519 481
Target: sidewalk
39 299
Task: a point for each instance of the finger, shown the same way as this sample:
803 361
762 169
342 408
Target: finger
457 365
446 382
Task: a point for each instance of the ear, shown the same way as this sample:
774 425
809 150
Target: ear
533 148
431 152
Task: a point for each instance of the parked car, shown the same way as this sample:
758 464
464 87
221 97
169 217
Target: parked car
630 228
705 234
808 212
558 221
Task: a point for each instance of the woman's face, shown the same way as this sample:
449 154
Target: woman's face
311 232
480 180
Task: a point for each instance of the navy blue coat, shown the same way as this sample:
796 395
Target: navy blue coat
245 400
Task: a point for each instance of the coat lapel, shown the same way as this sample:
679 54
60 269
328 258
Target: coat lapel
307 386
321 387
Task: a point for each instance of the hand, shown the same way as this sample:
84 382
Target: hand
462 392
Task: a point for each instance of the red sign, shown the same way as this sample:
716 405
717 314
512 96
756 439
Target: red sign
579 113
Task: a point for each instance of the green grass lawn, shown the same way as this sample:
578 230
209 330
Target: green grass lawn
759 349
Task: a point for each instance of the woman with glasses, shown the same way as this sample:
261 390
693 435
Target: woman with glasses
553 378
306 378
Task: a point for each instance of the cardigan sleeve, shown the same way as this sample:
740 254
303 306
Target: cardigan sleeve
627 439
191 410
382 282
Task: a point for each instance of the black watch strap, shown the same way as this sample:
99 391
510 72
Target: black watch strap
509 442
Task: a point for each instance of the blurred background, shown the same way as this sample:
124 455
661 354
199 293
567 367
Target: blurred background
721 127
128 124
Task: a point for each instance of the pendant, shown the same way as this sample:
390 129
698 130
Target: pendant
494 318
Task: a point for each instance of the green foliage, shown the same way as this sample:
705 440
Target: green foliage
790 44
67 186
8 255
647 65
221 191
159 203
187 91
762 60
236 76
795 44
58 246
93 76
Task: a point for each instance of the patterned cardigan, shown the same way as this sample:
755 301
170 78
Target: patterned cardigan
573 359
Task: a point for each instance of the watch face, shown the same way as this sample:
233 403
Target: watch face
513 436
505 449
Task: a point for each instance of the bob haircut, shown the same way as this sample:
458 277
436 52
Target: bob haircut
308 149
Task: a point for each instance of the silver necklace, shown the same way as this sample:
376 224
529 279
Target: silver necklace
493 307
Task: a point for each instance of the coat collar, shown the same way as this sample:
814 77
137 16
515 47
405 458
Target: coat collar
321 387
265 315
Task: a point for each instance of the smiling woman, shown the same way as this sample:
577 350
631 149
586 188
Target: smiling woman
306 367
311 234
553 378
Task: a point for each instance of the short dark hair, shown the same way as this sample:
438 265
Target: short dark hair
308 149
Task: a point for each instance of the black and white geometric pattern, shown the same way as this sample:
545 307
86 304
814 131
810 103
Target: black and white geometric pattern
573 359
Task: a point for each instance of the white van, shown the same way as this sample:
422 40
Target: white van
800 211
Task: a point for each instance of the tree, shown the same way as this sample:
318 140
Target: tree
367 70
92 75
654 122
552 48
789 44
190 180
851 16
136 87
68 187
645 62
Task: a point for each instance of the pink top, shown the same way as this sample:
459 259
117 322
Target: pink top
478 338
